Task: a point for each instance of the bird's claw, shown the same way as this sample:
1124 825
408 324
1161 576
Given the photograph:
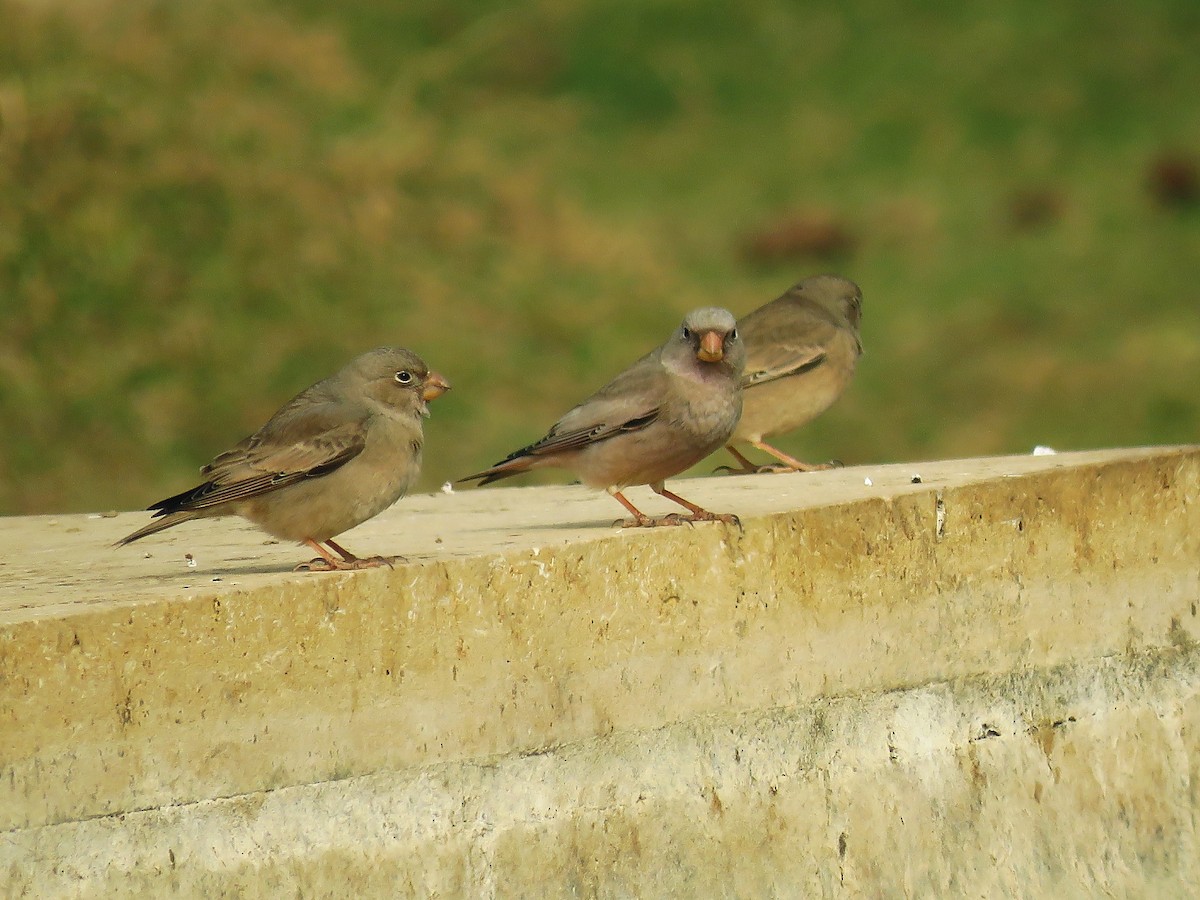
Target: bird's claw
780 468
705 516
727 518
373 562
678 519
359 562
652 522
638 522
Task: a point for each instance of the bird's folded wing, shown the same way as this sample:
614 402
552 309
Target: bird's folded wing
562 440
575 438
782 360
273 459
629 402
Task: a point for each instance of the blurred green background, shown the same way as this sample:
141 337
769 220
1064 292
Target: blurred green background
205 207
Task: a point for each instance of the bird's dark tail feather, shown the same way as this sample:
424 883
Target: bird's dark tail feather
157 525
514 465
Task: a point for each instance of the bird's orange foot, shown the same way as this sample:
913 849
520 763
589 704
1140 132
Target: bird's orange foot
775 468
372 562
675 519
635 522
345 565
706 516
737 470
681 519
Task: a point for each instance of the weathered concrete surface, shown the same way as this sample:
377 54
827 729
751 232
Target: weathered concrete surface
983 684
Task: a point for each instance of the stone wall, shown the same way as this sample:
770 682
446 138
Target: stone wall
984 683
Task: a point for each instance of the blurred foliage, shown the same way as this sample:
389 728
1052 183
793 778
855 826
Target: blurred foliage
206 207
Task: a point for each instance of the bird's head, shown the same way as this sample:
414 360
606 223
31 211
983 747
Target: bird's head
710 335
398 379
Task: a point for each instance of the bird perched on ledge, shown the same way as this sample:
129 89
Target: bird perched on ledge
335 455
666 412
801 351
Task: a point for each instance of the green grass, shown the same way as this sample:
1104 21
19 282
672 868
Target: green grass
206 207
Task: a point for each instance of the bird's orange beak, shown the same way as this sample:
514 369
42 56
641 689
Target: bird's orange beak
435 386
712 347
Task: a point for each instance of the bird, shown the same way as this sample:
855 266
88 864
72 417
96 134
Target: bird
666 412
336 454
801 352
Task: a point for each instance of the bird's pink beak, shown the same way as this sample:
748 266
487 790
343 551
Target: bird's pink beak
435 386
712 347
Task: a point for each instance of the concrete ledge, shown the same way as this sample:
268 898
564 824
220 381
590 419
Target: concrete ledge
827 701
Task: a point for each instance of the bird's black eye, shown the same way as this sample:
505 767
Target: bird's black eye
687 333
404 377
733 335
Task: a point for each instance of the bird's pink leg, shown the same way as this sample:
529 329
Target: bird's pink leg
361 562
747 467
640 519
790 463
327 562
699 514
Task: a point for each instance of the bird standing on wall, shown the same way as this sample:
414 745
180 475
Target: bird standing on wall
666 412
801 351
335 455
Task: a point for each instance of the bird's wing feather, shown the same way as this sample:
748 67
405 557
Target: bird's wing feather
786 337
781 360
629 402
305 444
559 441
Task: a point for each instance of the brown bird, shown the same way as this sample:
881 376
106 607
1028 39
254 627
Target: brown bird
666 412
801 351
335 455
